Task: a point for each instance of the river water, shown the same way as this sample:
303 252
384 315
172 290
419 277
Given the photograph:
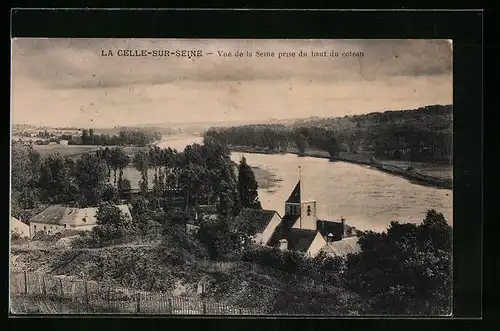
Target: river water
367 198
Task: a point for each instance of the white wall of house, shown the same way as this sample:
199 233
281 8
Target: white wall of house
269 230
47 228
317 244
19 227
82 227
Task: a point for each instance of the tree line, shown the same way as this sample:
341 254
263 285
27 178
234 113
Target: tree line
203 173
198 174
423 134
123 138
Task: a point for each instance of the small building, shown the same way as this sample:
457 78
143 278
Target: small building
19 228
63 142
57 218
52 143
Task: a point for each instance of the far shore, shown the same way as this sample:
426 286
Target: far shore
418 175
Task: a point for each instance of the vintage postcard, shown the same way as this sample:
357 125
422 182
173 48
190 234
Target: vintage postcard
231 177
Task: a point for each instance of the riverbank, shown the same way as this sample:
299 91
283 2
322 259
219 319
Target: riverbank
415 175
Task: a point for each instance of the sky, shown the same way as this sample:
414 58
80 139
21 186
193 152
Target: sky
67 82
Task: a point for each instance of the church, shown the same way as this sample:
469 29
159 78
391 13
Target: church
300 230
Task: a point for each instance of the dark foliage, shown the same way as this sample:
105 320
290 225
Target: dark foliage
424 134
247 186
406 270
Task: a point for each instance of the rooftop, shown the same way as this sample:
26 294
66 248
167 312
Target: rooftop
295 195
301 239
343 247
253 221
58 214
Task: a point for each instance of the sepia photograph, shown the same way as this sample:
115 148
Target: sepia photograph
231 177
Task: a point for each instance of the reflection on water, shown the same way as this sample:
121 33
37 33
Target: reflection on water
367 198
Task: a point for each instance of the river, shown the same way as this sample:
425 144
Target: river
367 198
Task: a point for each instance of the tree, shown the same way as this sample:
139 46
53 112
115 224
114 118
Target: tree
406 270
140 207
91 174
300 143
332 147
142 163
119 160
247 186
124 188
86 140
226 192
25 172
56 181
111 224
217 238
109 193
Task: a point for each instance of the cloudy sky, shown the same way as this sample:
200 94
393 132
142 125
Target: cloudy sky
67 82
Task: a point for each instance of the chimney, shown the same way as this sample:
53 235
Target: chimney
344 228
329 238
283 244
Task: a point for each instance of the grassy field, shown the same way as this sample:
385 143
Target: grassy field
68 150
154 269
442 171
77 150
21 305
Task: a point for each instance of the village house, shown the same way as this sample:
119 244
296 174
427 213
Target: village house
63 142
57 218
19 228
300 230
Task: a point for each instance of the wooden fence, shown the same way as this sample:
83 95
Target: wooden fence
110 298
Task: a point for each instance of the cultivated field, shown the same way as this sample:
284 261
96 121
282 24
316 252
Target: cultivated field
77 150
64 150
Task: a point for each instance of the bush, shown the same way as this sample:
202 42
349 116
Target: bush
406 270
220 243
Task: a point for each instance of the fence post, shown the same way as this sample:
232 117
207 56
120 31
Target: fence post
109 296
25 282
169 305
86 295
72 290
138 310
44 289
160 302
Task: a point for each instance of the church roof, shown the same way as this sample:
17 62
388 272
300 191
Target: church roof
252 221
295 196
301 239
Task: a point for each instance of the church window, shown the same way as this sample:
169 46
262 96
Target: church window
308 210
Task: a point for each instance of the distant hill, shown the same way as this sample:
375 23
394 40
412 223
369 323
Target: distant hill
423 134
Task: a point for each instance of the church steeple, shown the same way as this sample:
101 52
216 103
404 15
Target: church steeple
295 195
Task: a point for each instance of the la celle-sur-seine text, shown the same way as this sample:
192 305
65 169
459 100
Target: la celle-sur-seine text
154 53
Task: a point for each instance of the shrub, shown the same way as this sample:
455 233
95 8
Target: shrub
406 270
